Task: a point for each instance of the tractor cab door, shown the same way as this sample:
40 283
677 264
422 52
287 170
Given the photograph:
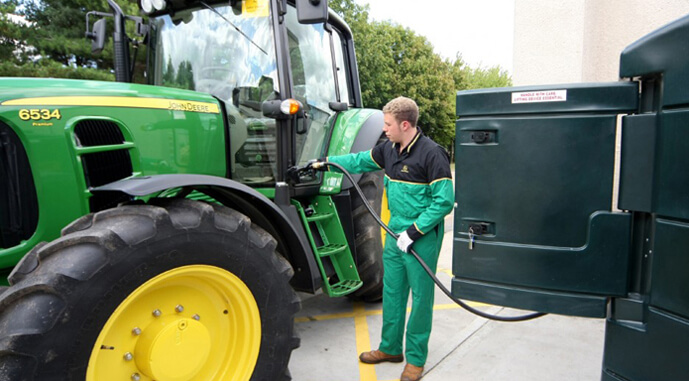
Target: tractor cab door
318 78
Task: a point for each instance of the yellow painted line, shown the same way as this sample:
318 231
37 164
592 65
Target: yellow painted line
367 372
344 315
134 102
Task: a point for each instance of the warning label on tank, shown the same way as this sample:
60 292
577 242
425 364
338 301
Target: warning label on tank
540 96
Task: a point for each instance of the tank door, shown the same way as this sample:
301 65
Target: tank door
535 224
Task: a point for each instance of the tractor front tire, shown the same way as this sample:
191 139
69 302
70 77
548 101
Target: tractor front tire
180 290
369 238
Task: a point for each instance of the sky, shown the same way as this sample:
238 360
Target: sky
481 30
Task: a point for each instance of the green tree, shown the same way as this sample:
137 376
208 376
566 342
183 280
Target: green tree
169 74
459 71
479 77
57 35
419 73
375 71
395 61
52 69
11 33
185 76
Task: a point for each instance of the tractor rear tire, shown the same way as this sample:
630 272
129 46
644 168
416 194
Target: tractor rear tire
180 290
368 238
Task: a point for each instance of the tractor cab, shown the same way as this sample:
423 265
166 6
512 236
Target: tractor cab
245 53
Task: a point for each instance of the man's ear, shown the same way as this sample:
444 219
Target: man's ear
405 125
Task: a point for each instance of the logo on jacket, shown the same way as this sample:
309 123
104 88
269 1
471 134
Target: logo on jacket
405 169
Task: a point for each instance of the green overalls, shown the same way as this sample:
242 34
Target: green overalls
418 183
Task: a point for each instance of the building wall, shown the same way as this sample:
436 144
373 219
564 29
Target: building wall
570 41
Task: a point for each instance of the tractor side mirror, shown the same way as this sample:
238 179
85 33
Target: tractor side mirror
97 36
312 11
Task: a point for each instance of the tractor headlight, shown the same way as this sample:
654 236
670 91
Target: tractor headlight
150 6
147 6
158 4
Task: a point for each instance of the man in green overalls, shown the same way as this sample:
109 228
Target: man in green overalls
419 190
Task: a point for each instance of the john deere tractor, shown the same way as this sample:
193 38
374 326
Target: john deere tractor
156 232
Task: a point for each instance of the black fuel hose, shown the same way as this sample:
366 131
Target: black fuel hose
423 264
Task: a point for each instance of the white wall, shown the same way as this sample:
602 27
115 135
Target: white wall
565 41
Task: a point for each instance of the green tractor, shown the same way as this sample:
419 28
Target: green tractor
156 232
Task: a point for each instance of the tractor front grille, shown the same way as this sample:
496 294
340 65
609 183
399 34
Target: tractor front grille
103 167
18 201
94 132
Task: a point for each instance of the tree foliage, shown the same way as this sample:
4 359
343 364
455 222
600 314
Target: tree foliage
50 38
52 69
480 77
11 32
394 61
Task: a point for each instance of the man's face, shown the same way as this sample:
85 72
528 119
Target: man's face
392 129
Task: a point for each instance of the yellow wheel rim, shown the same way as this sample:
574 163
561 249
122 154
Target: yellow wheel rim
190 323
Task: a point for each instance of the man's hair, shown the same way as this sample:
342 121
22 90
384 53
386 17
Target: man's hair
403 108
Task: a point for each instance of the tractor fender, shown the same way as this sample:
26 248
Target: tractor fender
355 130
292 241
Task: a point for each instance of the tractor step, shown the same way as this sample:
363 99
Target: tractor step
319 217
345 287
329 243
332 249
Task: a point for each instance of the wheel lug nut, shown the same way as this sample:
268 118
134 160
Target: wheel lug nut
136 331
136 377
179 308
128 356
157 313
196 317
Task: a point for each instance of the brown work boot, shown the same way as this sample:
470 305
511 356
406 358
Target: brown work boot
376 357
411 373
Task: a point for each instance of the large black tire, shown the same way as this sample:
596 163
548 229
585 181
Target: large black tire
368 238
64 298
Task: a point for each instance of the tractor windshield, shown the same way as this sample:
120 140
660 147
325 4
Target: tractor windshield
227 52
214 50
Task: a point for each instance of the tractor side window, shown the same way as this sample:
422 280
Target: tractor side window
342 82
313 81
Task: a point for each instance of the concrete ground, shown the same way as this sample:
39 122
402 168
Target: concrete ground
462 346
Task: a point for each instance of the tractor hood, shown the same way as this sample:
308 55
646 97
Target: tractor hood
33 92
61 138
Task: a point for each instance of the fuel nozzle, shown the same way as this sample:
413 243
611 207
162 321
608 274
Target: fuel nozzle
317 165
306 172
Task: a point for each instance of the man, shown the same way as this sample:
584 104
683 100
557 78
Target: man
418 183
